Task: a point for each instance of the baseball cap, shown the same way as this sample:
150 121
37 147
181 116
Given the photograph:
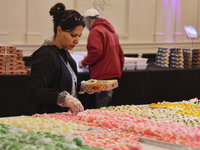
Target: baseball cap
91 13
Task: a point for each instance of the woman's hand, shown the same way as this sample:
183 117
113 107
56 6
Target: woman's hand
66 100
74 104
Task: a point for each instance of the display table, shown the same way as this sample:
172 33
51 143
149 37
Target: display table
14 98
156 84
136 87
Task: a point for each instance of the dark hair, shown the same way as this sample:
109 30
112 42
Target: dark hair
67 19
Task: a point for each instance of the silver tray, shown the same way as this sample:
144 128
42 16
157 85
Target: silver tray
166 144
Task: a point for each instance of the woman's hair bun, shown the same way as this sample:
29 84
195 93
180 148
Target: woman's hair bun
56 10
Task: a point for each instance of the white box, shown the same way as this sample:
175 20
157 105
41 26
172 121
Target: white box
129 66
141 66
78 58
131 60
142 60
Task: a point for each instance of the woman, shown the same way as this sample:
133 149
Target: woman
53 81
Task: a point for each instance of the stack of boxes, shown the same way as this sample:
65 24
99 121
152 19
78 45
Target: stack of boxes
176 58
196 58
187 56
11 61
162 57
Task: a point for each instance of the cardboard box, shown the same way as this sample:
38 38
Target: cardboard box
11 72
11 51
3 56
12 60
18 51
20 63
10 64
2 60
19 58
20 67
21 71
2 72
10 47
11 56
100 85
2 64
2 68
2 47
2 51
10 68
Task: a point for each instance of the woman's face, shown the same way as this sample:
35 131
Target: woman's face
69 39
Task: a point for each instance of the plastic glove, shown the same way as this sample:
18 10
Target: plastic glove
82 82
66 100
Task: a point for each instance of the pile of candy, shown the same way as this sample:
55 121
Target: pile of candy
45 124
122 122
12 138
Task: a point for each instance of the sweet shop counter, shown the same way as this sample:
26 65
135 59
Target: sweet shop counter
155 126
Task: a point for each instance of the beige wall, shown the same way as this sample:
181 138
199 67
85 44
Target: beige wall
142 25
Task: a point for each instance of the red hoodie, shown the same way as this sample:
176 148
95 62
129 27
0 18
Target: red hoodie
105 56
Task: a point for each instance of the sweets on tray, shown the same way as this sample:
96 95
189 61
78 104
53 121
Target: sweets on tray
99 85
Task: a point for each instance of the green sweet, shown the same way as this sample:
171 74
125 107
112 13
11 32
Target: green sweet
40 133
5 144
47 135
15 146
78 141
78 148
59 144
31 132
13 139
34 138
2 138
49 147
4 130
30 147
55 138
6 126
24 136
85 147
58 148
39 146
69 141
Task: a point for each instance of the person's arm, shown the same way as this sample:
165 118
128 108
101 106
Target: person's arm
94 47
42 72
121 56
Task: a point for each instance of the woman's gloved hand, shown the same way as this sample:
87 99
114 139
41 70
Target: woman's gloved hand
66 100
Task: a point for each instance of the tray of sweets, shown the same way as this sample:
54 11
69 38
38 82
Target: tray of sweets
176 62
166 144
162 58
162 65
176 58
176 50
162 61
165 50
162 54
176 55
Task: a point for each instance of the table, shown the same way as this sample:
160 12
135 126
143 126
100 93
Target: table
136 87
156 84
14 97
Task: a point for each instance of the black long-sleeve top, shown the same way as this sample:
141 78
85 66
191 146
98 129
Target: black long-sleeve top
49 77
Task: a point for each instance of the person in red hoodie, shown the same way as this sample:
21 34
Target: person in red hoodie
105 56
